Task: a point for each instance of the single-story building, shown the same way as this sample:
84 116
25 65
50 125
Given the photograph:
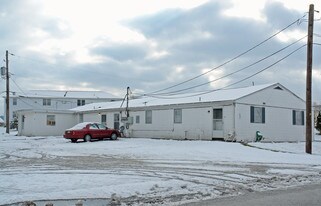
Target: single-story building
44 122
241 114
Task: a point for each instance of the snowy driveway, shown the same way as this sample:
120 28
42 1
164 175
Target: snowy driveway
146 171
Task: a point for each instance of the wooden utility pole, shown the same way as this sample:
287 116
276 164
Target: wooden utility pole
127 102
7 93
308 131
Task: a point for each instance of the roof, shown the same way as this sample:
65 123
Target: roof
65 94
215 96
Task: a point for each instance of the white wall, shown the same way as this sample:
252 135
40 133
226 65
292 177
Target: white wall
197 123
93 117
278 126
24 103
35 124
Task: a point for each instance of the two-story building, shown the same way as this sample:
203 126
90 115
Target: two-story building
54 100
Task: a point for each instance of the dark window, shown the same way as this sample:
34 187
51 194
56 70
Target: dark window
137 119
81 102
257 115
14 101
178 116
103 119
148 117
116 121
46 102
297 117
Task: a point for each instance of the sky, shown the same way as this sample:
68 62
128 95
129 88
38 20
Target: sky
151 45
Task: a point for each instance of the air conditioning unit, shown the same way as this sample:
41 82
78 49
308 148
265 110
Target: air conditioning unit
130 120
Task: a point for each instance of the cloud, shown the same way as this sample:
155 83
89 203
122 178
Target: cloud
174 45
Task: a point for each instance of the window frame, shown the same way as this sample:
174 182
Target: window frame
51 120
149 117
81 102
137 119
46 102
178 116
298 117
254 112
102 118
14 101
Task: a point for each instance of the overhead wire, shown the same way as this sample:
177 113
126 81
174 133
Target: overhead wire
232 73
297 21
232 84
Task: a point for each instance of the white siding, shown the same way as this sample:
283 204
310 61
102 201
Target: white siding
35 124
278 126
57 103
93 117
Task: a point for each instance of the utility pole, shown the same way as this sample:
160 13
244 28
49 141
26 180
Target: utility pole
7 93
127 102
308 131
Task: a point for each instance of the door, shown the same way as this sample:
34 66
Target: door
94 131
116 121
218 125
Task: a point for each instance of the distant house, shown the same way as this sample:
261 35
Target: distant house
1 122
241 114
54 100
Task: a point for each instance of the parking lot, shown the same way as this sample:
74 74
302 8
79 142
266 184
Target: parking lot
146 171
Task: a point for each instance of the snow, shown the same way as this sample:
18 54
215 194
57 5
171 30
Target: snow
167 172
65 94
216 96
79 126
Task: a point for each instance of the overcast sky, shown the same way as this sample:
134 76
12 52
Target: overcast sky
149 45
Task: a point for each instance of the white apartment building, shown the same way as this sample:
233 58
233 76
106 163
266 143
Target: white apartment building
54 100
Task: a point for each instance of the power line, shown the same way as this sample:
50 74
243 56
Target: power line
237 82
17 85
232 73
298 21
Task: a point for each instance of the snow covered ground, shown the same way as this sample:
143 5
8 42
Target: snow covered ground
147 171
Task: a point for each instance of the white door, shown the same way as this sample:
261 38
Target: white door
218 125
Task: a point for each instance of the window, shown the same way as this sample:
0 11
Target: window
93 126
137 119
148 117
23 122
298 117
178 116
81 102
14 101
101 126
46 102
51 120
257 114
103 119
217 119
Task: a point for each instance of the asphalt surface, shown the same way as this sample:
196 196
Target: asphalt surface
308 195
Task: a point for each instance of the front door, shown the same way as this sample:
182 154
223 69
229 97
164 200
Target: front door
218 123
116 121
